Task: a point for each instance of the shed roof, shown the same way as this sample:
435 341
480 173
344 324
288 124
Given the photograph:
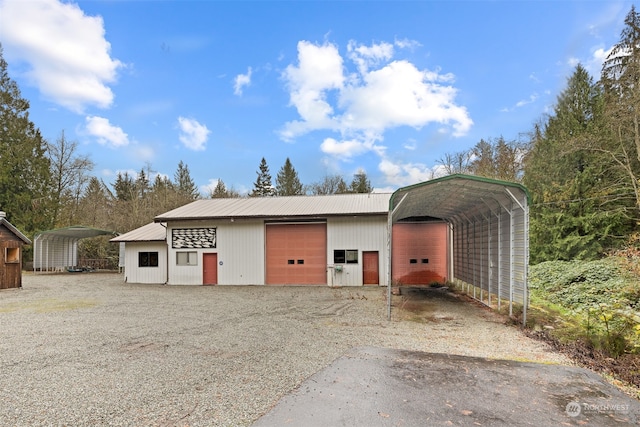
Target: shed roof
14 230
456 197
281 207
153 232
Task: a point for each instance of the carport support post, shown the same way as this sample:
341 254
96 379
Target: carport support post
389 252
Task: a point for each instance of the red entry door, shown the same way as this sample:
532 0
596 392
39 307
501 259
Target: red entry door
209 269
370 275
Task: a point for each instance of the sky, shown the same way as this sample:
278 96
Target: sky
384 87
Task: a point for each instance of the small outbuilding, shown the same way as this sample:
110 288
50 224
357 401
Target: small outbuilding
11 243
143 254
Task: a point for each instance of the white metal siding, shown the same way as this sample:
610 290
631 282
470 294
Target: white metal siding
240 249
491 253
241 252
363 234
135 274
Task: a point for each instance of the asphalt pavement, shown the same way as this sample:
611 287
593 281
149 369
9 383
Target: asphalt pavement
386 387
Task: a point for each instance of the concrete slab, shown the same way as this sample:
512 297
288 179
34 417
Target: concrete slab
386 387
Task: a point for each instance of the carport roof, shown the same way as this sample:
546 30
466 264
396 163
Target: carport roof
74 232
455 197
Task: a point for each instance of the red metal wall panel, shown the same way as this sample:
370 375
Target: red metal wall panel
419 253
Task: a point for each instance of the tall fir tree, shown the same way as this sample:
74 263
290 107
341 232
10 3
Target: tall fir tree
361 183
185 185
287 181
25 175
263 186
571 213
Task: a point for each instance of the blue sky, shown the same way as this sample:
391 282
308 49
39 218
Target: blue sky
386 87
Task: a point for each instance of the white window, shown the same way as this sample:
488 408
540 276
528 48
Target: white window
187 258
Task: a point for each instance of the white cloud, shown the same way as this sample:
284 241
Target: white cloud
403 174
105 132
401 95
344 149
241 81
368 56
66 51
319 70
193 134
407 44
383 94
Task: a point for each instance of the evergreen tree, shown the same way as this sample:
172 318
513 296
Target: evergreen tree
287 181
96 207
185 186
361 183
124 187
263 186
571 214
25 175
620 77
222 192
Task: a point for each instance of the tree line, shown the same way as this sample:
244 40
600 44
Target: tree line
580 163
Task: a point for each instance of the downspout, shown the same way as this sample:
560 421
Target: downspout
166 244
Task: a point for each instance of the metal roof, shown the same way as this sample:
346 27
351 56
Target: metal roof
73 232
455 197
6 223
281 207
153 232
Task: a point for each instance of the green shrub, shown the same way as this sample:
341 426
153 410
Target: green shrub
602 296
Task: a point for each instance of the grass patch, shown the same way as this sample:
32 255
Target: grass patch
48 305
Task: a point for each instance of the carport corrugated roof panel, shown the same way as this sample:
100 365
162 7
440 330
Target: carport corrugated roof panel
455 196
74 232
274 207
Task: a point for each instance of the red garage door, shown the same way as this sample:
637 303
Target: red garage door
296 254
419 253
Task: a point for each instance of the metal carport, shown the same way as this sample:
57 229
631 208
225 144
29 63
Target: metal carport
58 249
489 224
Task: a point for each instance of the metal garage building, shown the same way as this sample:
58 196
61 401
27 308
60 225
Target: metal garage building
459 229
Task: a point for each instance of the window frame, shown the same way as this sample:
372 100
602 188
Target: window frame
11 255
150 257
191 258
345 256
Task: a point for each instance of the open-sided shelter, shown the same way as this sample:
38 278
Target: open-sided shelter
57 250
11 243
489 231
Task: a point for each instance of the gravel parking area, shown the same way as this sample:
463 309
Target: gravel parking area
87 349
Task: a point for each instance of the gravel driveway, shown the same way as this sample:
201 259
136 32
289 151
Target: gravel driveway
87 349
